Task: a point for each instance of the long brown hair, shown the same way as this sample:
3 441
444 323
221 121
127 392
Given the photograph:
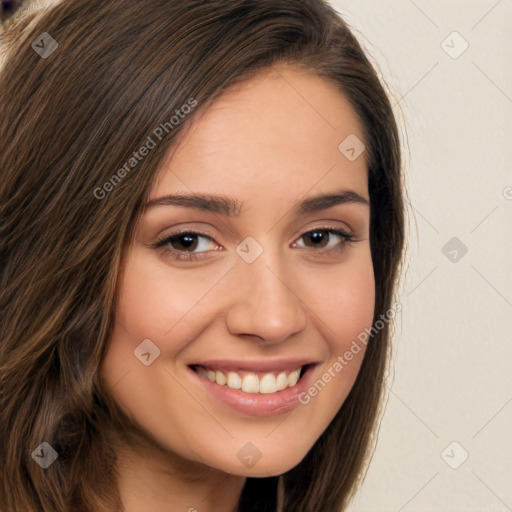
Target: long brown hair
70 120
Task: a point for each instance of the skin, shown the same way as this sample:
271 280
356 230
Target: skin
268 143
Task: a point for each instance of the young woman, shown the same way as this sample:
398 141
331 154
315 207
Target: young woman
201 234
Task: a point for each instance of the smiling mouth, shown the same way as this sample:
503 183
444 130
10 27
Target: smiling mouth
253 382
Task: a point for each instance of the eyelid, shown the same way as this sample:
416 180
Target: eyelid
162 240
347 236
199 231
324 225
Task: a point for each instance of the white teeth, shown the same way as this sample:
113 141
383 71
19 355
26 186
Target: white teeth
220 378
250 383
293 378
268 384
234 380
281 381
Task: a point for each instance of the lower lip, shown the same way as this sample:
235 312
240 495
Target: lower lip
258 404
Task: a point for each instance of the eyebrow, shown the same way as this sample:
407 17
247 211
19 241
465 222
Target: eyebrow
232 208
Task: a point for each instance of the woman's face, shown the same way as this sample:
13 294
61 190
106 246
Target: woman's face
270 294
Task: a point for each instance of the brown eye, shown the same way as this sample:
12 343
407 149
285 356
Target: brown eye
182 245
189 245
320 238
187 241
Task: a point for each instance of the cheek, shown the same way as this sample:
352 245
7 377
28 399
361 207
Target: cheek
147 308
355 311
355 305
345 308
345 300
151 304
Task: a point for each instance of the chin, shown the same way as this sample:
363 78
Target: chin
264 467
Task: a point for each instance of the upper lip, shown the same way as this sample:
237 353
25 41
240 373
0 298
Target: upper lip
255 365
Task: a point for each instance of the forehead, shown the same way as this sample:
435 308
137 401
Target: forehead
278 134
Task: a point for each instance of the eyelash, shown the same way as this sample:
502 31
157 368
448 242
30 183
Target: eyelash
163 242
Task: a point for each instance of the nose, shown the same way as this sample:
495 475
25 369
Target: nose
264 303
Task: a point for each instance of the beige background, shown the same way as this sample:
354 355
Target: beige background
453 345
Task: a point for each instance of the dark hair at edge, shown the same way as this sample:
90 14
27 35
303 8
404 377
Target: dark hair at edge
71 120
